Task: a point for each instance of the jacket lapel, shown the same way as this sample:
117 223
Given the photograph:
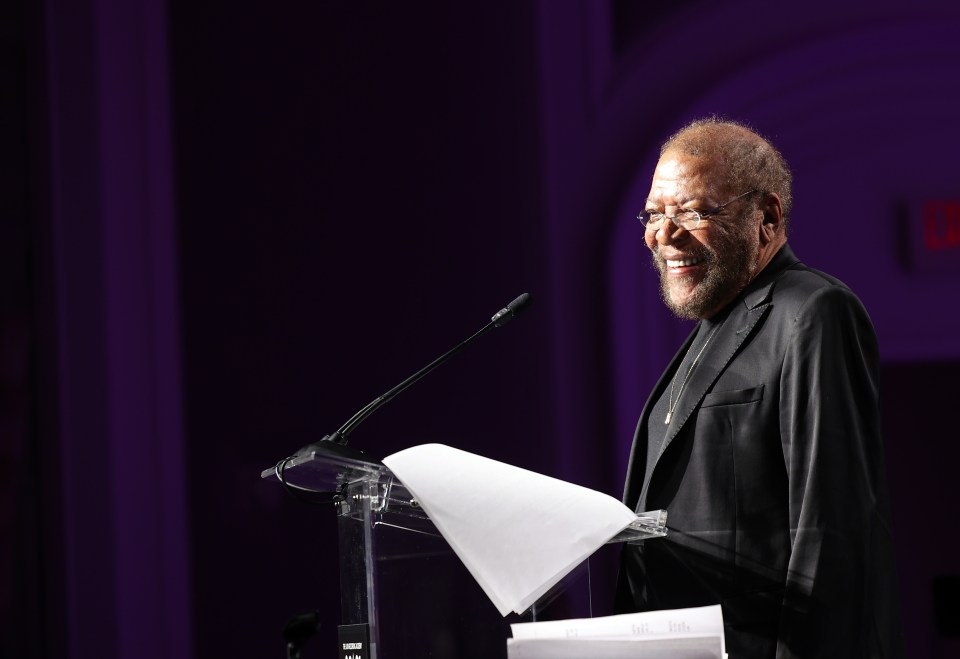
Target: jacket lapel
716 356
637 464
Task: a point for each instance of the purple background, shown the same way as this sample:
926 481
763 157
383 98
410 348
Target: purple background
233 224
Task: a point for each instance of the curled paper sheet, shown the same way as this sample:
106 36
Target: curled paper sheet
517 532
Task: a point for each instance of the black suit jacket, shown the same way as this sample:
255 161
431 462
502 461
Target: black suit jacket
772 475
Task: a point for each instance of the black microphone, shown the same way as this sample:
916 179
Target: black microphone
504 316
337 442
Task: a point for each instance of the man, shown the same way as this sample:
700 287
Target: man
762 438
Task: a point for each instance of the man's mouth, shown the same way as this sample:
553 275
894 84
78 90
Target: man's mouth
682 263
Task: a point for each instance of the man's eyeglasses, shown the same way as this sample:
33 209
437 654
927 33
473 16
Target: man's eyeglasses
685 218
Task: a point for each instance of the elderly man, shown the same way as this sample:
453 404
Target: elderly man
762 438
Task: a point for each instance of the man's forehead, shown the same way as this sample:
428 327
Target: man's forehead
683 177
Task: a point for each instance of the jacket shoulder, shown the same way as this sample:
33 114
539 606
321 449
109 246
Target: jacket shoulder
800 286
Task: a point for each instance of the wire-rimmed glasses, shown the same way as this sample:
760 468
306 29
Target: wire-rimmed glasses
685 218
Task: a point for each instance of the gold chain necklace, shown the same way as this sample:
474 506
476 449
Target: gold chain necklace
671 403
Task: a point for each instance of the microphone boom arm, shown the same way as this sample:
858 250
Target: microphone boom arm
500 318
340 436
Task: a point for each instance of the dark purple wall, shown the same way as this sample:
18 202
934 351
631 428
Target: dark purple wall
261 217
358 192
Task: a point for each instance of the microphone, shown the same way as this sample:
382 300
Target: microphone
336 442
506 314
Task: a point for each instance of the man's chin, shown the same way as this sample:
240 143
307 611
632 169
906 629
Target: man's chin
681 290
682 304
690 300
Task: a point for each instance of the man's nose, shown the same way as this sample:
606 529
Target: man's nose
669 233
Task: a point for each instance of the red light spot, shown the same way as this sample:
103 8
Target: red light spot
941 225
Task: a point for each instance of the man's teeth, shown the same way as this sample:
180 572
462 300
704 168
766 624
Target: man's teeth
682 263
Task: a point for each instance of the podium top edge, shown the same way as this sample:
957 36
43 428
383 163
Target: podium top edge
319 458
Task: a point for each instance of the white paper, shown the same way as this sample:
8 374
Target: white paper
675 648
699 621
516 531
695 633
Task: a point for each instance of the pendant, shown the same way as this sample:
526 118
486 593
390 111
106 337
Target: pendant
667 420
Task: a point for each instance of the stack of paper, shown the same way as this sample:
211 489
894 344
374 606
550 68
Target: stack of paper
674 634
516 531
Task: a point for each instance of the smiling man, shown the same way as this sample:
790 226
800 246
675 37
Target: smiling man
762 437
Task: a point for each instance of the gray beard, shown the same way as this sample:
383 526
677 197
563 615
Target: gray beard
726 276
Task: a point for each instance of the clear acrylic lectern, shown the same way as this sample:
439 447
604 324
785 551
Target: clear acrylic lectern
400 583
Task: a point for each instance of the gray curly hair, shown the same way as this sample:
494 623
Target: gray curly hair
749 161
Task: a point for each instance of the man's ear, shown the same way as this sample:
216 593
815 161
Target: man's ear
772 223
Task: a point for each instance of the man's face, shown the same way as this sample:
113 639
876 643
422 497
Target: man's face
703 270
